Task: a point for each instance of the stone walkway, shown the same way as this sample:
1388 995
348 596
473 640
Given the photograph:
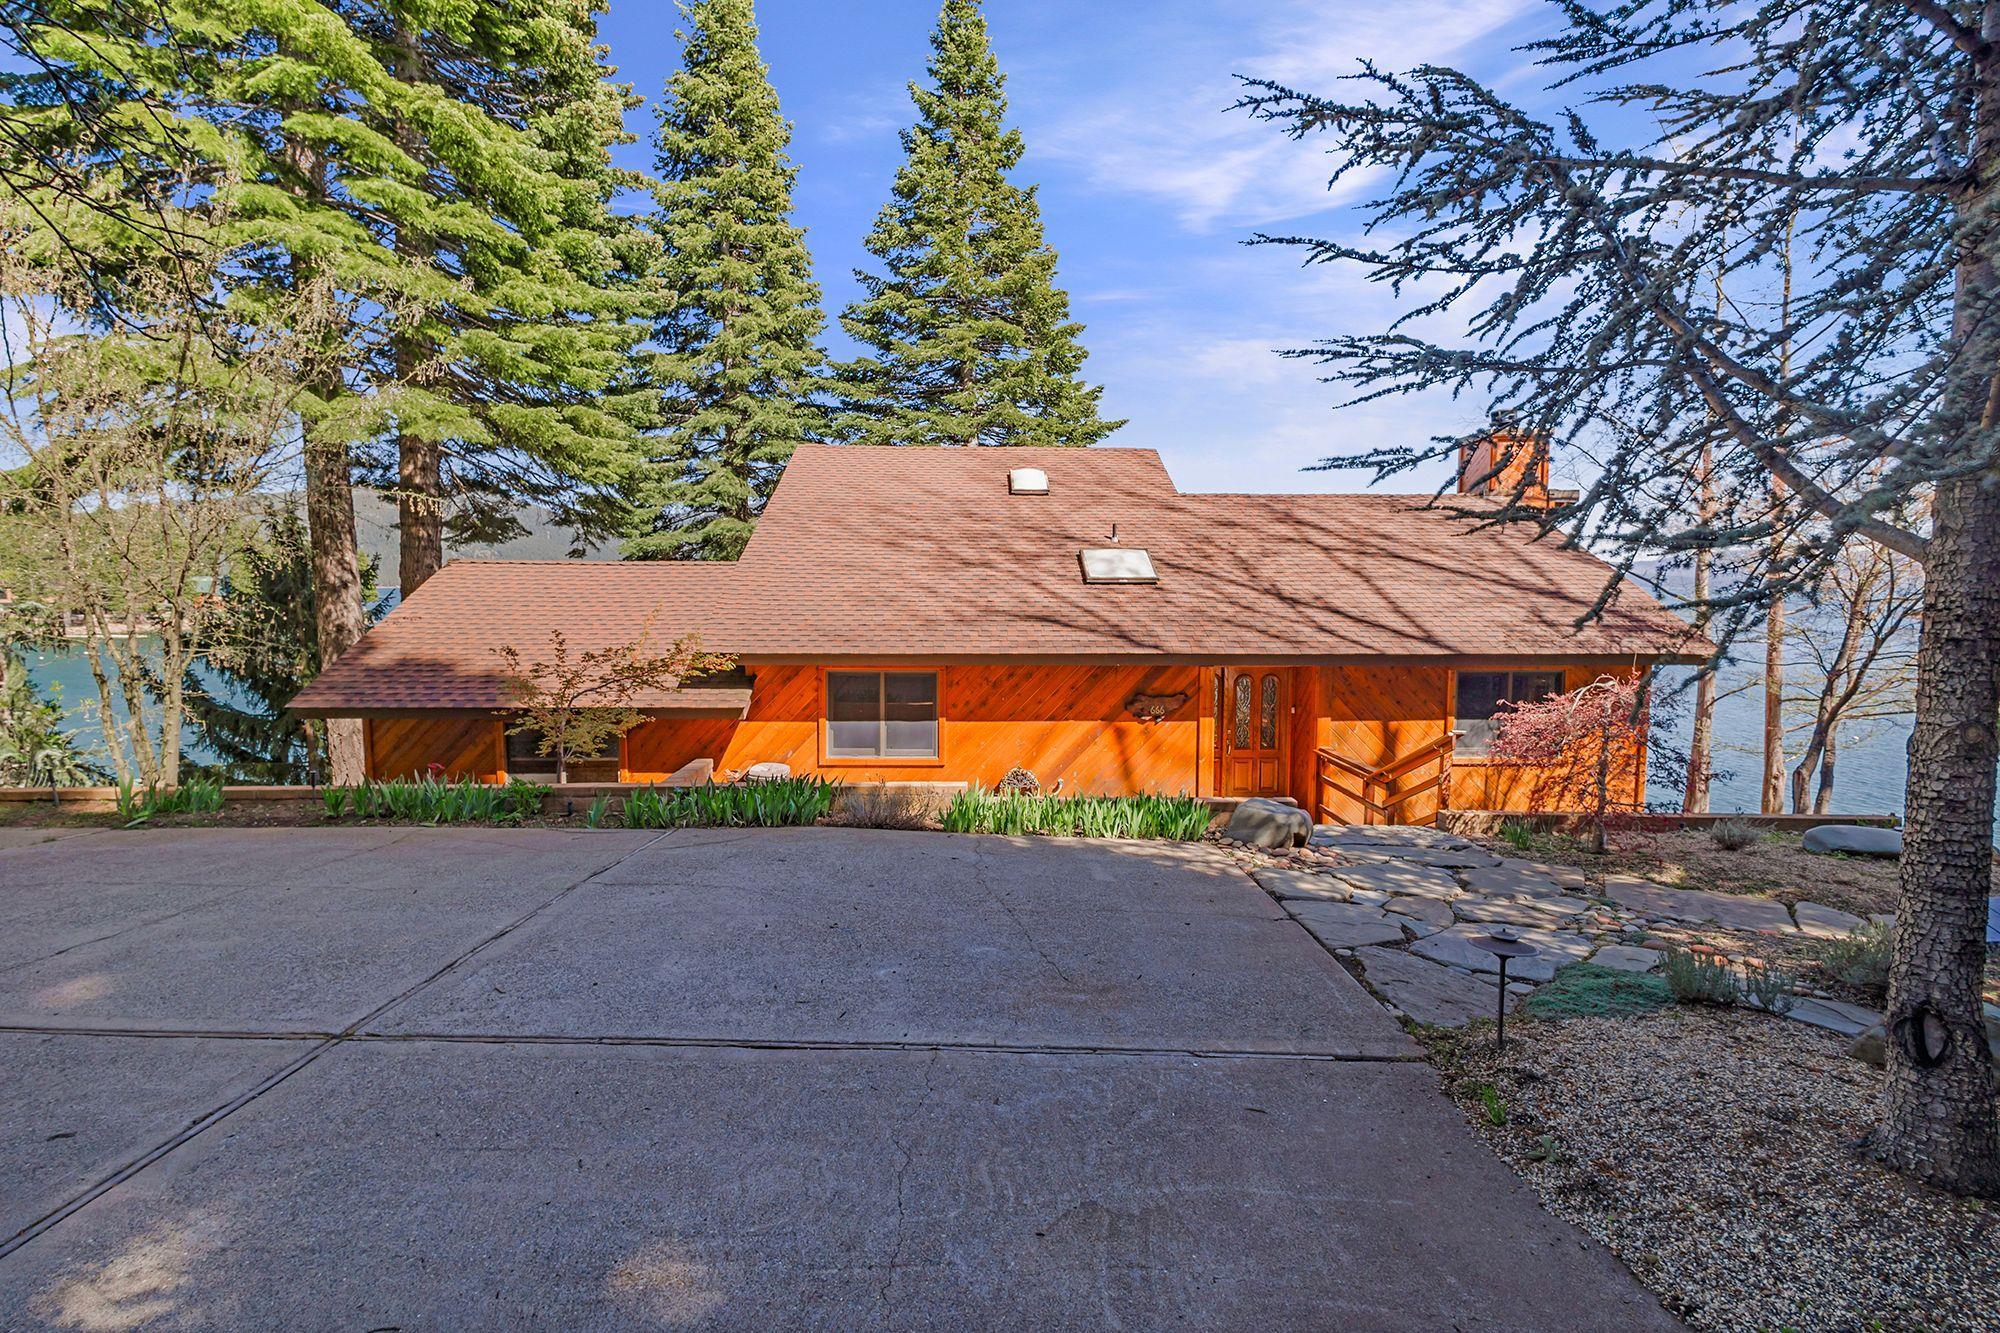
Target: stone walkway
1404 905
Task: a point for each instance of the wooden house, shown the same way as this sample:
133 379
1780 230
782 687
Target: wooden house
952 614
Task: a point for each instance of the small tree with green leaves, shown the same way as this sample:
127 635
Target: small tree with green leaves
574 704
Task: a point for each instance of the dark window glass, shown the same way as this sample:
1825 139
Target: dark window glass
1267 722
1243 712
878 714
1480 694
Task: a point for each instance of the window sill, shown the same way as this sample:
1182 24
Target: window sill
889 761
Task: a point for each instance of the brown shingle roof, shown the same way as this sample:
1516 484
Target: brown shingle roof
900 553
437 650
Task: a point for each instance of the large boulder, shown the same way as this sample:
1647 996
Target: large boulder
1262 822
1854 840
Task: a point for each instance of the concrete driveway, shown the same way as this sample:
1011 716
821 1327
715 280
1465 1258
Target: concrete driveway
415 1079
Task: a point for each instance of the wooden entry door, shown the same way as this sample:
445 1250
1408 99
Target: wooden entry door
1251 731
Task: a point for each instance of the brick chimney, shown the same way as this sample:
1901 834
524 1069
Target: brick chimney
1505 459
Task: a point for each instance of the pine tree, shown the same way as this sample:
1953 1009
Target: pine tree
972 341
434 178
738 357
504 396
266 646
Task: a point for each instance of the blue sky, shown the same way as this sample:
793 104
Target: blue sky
1148 186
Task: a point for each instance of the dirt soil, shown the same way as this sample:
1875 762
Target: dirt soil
1715 1153
1778 867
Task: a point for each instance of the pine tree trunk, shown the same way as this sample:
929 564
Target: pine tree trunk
419 460
1939 1125
336 588
419 511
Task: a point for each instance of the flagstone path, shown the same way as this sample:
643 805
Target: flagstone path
1406 904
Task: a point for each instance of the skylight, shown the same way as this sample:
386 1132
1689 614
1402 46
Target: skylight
1027 481
1117 564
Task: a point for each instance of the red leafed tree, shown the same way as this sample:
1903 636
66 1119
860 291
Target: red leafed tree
1579 745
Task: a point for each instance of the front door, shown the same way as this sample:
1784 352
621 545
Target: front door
1252 731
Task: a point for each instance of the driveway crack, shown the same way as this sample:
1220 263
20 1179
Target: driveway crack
979 878
902 1144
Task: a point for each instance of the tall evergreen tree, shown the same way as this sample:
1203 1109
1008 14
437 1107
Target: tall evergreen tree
738 357
971 339
415 170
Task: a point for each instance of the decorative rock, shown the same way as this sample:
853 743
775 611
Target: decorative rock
1449 858
1395 837
1823 922
768 771
1395 877
1345 925
1282 882
1849 1020
1511 882
1432 911
1728 910
1455 948
1424 991
1568 877
1854 840
1267 823
1626 958
1550 911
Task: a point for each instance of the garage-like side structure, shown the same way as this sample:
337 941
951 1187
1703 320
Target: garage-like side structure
947 615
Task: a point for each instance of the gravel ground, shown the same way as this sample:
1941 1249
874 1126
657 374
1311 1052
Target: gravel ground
1710 1151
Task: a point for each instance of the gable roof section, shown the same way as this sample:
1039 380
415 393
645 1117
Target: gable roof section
438 650
895 552
887 553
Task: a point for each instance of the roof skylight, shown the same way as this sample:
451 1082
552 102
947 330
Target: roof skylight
1117 564
1027 481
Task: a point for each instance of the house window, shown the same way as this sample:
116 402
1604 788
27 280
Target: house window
1480 694
882 715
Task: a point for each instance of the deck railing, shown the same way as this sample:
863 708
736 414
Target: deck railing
1370 786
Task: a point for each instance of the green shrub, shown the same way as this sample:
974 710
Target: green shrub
1770 988
774 803
976 810
431 801
1490 1106
1585 990
1733 835
597 812
1860 960
196 796
1518 834
1700 978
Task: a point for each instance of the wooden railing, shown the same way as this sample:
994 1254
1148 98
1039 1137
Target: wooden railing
1379 803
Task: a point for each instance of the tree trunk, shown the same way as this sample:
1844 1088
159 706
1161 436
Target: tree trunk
1701 747
1823 799
419 510
336 572
1773 798
1939 1125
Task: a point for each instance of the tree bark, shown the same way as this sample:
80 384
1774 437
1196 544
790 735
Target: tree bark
1773 799
337 610
1939 1125
1939 1122
419 510
419 459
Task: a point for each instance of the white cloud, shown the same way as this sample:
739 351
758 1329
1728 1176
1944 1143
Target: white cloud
1164 129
